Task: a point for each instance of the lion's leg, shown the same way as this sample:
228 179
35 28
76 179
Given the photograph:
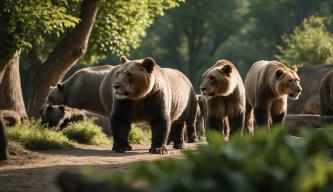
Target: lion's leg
261 116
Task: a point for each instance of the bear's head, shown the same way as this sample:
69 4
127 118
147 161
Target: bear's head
219 80
56 95
286 81
51 115
134 79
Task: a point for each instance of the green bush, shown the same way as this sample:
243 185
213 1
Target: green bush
32 135
139 135
309 44
264 162
86 132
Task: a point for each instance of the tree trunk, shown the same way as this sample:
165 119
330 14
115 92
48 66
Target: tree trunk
62 58
10 88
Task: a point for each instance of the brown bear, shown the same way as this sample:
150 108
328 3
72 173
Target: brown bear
81 90
60 116
223 90
326 96
3 141
141 90
268 84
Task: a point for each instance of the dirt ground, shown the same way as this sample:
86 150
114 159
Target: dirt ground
37 171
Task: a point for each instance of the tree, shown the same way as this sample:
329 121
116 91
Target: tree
56 34
189 37
309 44
269 20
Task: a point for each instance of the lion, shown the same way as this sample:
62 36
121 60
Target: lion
268 84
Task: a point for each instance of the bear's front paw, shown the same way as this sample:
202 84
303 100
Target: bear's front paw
179 146
159 150
122 149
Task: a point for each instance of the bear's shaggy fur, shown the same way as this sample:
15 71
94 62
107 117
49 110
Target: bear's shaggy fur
326 96
60 116
3 141
224 93
81 90
140 90
268 84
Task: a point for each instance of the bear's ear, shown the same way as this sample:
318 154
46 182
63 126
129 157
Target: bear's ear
148 64
227 69
123 59
294 68
49 108
62 108
60 87
279 73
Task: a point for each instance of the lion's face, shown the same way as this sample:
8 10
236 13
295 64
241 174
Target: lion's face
56 95
288 83
134 79
218 80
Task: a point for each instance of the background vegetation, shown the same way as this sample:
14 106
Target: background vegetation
48 38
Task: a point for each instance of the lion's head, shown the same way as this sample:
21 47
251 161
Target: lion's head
287 81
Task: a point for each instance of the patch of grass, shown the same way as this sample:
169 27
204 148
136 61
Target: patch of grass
86 132
32 135
15 148
138 135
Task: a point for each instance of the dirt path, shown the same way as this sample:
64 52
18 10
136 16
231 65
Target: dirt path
36 171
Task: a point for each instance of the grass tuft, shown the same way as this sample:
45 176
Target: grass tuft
86 132
32 135
138 135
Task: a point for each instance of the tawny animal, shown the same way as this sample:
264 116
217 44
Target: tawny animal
268 84
224 93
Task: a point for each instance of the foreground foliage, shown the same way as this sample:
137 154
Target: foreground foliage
32 135
264 162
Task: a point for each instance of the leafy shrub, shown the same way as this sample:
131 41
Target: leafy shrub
32 135
311 43
86 132
264 162
138 135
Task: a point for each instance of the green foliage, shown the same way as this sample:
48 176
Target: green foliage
265 162
139 135
86 132
30 20
120 25
309 44
32 135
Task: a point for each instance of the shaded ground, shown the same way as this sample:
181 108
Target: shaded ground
36 171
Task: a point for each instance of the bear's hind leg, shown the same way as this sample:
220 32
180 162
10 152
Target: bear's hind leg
178 130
